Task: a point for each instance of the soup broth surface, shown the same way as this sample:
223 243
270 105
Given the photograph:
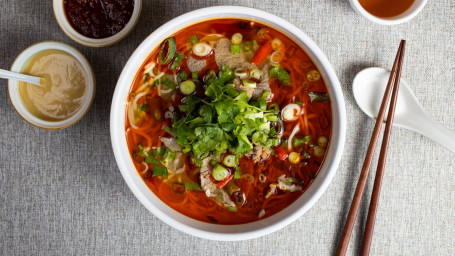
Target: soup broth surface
261 187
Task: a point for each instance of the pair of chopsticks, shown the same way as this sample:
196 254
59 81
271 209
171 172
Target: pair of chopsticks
394 82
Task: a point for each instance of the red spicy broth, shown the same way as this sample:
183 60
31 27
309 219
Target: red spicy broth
256 179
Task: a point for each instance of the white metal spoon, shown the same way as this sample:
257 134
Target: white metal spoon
21 77
368 88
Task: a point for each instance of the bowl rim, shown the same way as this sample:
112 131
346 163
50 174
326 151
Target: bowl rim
215 231
18 105
60 16
415 8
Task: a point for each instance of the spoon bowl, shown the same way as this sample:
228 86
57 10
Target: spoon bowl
369 86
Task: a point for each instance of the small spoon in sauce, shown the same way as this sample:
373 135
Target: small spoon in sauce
369 86
21 77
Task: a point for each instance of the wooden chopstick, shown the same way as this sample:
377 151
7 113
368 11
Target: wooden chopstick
369 228
369 157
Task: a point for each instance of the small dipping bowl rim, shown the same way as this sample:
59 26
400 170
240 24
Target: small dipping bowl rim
62 20
410 13
13 85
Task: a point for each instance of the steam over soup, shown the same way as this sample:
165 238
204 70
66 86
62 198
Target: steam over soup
228 121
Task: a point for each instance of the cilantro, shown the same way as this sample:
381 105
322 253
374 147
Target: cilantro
225 119
319 97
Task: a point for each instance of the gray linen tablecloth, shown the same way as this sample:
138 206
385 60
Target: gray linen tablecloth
61 192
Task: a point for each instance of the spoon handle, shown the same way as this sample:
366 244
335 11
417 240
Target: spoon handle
426 125
21 77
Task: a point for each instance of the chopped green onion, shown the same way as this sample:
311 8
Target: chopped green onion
209 77
159 171
237 38
229 161
281 74
187 87
201 49
247 46
303 141
237 173
182 76
276 44
164 80
235 48
166 57
232 209
274 107
193 40
178 187
192 186
248 83
256 73
177 60
261 33
299 103
194 76
272 119
143 107
220 173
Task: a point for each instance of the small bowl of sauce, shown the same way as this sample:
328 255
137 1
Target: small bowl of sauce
388 12
97 23
67 85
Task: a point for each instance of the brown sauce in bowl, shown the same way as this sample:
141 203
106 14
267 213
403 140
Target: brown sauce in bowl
98 18
386 8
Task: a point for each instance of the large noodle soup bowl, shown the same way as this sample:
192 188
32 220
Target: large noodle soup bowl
209 230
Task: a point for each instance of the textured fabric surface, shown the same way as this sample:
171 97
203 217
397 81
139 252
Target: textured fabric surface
61 192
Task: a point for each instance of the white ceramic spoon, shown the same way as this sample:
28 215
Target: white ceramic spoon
21 77
368 88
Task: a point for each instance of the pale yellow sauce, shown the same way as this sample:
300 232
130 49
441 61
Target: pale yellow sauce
64 85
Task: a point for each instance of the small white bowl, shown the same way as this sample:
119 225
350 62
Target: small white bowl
210 230
62 20
410 13
15 97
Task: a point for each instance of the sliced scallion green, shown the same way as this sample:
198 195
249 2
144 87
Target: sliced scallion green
220 173
237 173
166 57
235 48
187 87
192 186
248 83
182 76
193 40
229 161
177 61
237 38
194 76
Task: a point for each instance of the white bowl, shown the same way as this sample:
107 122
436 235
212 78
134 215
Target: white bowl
59 11
208 230
13 85
410 13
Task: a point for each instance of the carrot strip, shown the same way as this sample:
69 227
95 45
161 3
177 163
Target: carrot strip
264 50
